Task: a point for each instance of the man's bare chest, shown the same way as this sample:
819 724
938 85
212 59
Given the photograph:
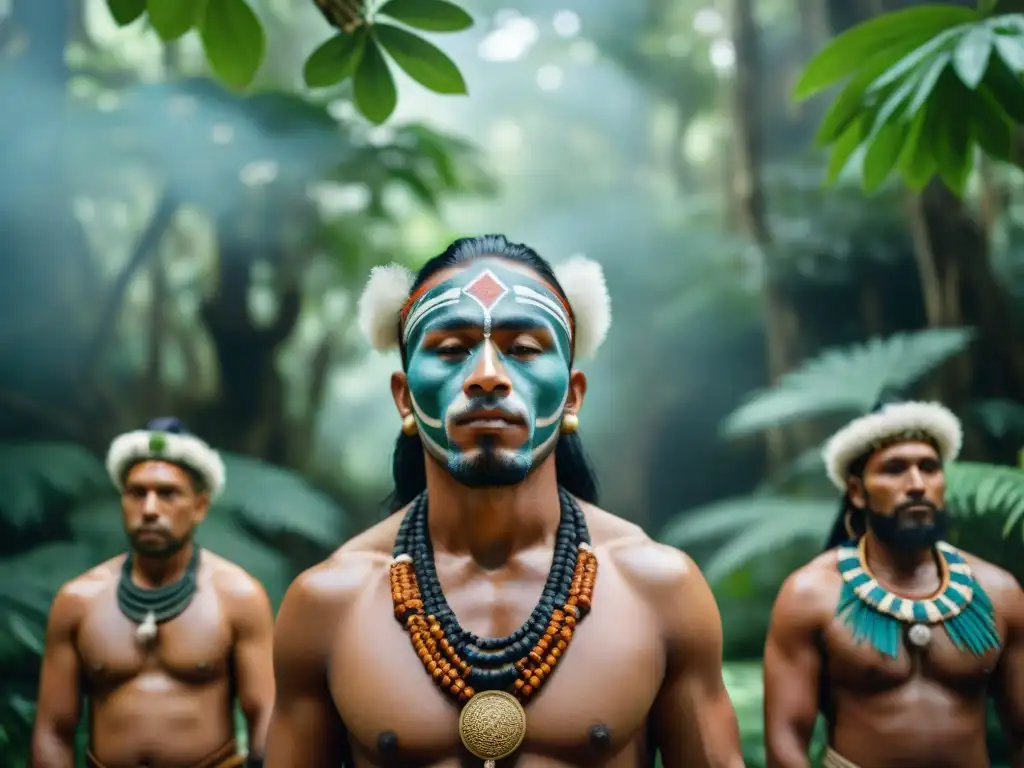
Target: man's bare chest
595 704
860 667
193 648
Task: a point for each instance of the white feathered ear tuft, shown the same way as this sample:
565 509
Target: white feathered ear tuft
381 303
583 282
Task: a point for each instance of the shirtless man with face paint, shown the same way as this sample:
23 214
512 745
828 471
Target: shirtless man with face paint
896 636
163 641
498 617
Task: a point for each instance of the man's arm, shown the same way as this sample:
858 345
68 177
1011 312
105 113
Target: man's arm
1008 681
792 666
694 720
305 729
60 705
253 657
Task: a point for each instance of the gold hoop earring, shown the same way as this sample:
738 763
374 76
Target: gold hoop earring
570 423
409 424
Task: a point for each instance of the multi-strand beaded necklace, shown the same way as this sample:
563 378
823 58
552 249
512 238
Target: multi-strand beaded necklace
492 677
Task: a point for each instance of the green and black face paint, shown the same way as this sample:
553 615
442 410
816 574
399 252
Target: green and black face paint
487 303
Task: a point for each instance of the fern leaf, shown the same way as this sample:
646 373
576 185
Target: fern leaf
758 524
847 379
974 489
278 501
810 522
31 471
1000 418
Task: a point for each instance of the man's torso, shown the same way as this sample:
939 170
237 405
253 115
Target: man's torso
923 709
169 704
609 677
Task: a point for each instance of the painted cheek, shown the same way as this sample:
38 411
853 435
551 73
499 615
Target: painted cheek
434 384
542 383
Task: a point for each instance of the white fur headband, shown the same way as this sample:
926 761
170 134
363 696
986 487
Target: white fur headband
582 279
153 444
891 421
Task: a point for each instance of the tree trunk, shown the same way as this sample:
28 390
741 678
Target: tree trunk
748 194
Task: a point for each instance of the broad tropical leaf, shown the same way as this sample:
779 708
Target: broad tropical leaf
28 583
30 472
847 379
278 501
912 77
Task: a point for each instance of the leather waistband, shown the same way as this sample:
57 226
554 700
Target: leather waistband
833 759
225 757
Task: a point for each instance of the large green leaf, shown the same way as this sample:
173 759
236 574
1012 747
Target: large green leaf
847 379
234 41
972 54
895 34
335 59
28 583
124 12
279 501
173 18
423 61
428 15
374 86
29 472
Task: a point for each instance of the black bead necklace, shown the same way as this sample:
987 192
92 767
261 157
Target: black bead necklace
492 660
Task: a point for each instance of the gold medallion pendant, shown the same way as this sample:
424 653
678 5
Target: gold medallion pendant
492 725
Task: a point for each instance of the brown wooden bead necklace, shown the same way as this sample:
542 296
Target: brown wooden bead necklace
492 677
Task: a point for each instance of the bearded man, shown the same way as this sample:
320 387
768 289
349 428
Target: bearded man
893 633
423 642
161 641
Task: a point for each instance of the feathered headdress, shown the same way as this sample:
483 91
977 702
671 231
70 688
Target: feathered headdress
165 439
892 420
388 289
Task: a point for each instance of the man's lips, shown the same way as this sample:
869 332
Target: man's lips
489 419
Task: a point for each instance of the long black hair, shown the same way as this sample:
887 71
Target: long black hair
574 471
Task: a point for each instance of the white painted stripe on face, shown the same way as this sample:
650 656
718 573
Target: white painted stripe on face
446 299
430 422
547 421
532 298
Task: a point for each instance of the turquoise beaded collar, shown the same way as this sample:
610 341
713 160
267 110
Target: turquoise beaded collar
878 616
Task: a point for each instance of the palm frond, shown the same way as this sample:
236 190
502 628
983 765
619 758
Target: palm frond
808 467
31 471
974 489
847 379
276 501
751 526
758 524
1000 418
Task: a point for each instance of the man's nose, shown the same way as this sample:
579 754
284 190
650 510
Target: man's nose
915 483
149 506
488 375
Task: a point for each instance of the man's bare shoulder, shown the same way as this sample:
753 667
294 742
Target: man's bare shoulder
1001 585
650 567
76 595
235 585
334 582
808 595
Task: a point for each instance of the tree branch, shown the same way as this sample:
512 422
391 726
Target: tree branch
107 322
